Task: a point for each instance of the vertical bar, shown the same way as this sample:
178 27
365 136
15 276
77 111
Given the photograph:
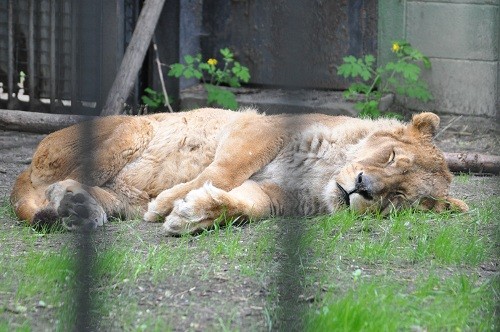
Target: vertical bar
290 280
31 52
10 52
64 47
168 47
120 32
52 54
74 52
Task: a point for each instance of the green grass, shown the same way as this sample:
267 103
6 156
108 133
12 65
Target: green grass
404 237
431 303
412 270
33 277
463 177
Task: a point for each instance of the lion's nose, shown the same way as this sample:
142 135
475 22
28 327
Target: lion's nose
359 179
364 186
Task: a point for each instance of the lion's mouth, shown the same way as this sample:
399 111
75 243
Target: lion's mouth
358 189
344 195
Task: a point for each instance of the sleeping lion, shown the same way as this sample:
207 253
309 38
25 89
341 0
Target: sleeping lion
187 169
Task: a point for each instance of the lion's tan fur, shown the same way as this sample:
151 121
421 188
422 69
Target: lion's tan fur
188 168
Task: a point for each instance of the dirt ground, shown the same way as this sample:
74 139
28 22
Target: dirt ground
16 150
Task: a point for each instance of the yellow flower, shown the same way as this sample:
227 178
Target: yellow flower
212 62
395 47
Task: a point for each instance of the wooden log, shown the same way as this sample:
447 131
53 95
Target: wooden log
473 162
41 123
134 57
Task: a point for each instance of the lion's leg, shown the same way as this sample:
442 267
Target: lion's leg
236 159
201 207
79 205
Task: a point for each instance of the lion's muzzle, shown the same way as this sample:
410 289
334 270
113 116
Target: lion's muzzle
363 186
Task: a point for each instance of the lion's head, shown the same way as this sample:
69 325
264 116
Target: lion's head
399 168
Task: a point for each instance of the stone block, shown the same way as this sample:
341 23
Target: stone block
455 31
480 2
461 87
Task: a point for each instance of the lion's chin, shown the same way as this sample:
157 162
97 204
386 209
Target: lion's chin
362 205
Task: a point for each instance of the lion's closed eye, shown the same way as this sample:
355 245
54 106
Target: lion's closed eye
392 157
400 194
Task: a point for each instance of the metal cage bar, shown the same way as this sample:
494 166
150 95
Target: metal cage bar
10 51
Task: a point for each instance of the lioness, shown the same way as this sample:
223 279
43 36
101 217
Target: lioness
186 169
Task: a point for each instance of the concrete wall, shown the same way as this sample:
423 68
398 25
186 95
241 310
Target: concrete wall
462 39
291 43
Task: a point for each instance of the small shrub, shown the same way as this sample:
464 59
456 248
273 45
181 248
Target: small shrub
232 74
400 77
152 98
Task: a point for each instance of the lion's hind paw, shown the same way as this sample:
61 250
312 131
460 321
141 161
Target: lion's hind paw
79 210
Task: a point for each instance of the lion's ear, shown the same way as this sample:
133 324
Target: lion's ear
450 203
425 123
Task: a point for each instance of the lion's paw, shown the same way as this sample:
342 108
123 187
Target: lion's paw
196 211
151 215
159 207
80 210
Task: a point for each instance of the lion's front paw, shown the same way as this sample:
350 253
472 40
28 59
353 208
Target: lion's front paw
151 215
197 211
159 207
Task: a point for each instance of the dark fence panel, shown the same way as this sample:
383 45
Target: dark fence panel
308 37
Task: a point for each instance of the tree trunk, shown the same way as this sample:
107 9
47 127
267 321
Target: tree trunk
133 58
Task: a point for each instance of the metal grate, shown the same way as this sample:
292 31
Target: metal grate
53 56
36 52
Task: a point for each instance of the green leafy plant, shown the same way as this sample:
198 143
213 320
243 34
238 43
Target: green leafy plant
153 98
401 77
232 74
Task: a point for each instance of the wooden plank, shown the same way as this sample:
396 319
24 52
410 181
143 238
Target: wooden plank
134 57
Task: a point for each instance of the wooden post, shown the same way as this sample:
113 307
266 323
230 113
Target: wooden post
34 122
133 58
